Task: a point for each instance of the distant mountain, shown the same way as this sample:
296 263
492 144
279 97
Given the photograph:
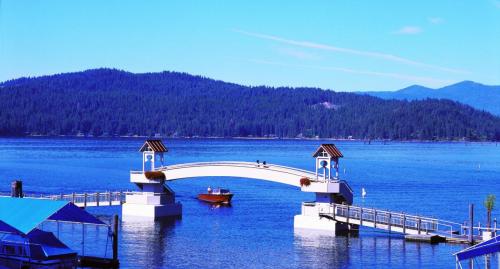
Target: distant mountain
108 102
479 96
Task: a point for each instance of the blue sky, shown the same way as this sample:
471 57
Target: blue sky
340 45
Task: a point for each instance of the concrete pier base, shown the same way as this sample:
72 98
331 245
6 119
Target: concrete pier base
316 216
150 206
318 223
151 211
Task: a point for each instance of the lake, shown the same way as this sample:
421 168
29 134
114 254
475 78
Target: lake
432 179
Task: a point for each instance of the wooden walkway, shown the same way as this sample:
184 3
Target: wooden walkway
412 226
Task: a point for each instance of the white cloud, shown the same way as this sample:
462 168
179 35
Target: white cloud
399 76
435 20
299 54
371 54
409 30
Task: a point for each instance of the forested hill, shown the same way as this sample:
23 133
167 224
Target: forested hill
110 102
483 97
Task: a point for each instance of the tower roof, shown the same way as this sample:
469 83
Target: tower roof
153 145
331 149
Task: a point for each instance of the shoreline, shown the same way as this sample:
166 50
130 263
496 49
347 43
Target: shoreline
366 141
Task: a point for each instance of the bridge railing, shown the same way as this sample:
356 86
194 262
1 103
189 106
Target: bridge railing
391 219
300 172
273 167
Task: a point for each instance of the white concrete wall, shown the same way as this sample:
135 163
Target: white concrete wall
146 199
138 177
319 224
138 211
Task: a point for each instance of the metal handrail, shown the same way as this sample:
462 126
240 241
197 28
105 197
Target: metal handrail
239 164
394 219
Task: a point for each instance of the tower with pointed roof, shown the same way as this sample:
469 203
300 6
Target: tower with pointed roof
327 157
152 154
156 199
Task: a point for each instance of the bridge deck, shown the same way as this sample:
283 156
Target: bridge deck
272 172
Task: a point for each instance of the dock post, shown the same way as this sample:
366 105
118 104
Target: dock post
479 232
360 216
348 209
419 224
16 189
84 200
334 209
121 197
83 239
109 195
404 224
73 197
495 227
389 223
115 238
471 223
97 198
374 218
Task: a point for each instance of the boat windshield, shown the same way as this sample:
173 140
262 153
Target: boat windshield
220 191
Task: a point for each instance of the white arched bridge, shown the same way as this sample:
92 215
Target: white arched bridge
252 170
269 172
157 199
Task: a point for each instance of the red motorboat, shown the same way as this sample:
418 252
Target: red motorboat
216 196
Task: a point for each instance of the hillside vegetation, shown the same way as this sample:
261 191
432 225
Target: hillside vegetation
108 102
479 96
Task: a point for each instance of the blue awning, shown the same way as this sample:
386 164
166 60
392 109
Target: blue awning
486 247
24 214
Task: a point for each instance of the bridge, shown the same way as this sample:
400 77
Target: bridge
269 172
252 170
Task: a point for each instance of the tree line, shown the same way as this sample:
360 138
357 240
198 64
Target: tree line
109 102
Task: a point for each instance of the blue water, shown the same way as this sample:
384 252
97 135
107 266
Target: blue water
432 179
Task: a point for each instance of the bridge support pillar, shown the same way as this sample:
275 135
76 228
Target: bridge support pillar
321 215
141 207
154 201
320 223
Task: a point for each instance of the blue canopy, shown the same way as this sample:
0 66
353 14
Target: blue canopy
24 214
486 247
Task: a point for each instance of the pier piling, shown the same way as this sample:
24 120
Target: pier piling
115 239
17 188
471 223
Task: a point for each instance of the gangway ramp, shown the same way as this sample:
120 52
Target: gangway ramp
414 227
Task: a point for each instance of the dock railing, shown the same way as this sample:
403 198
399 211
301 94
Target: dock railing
392 221
106 198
